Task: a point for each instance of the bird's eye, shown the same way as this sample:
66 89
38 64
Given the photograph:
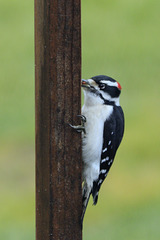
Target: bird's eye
101 85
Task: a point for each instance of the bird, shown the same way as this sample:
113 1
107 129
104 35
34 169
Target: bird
102 132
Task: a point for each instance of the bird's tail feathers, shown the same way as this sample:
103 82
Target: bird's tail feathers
95 191
86 195
85 199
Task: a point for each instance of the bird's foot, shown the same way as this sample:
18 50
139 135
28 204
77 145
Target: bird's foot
80 128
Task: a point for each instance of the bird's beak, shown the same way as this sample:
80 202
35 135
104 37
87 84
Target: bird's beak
85 83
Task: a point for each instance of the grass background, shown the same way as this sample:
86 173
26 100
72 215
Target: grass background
120 39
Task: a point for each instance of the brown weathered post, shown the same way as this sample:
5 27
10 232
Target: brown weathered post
58 102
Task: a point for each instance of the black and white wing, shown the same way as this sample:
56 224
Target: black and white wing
112 136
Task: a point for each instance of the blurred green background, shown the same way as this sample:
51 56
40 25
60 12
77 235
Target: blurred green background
120 39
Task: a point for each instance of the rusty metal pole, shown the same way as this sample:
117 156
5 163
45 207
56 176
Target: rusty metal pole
58 102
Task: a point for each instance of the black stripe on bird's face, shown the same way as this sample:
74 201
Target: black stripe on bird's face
108 85
114 92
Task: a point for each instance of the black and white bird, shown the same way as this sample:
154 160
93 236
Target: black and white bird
103 128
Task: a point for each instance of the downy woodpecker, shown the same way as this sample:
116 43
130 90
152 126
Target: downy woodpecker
103 128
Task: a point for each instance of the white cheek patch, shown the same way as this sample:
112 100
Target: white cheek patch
108 97
109 83
105 95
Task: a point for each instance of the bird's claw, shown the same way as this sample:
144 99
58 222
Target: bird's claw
80 128
83 118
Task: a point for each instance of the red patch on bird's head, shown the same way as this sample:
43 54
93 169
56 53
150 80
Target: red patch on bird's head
119 86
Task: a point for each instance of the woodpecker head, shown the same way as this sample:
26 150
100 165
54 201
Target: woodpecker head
101 89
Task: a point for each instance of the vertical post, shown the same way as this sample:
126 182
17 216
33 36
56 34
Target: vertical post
58 102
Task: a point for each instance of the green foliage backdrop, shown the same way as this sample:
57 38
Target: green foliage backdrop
120 39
